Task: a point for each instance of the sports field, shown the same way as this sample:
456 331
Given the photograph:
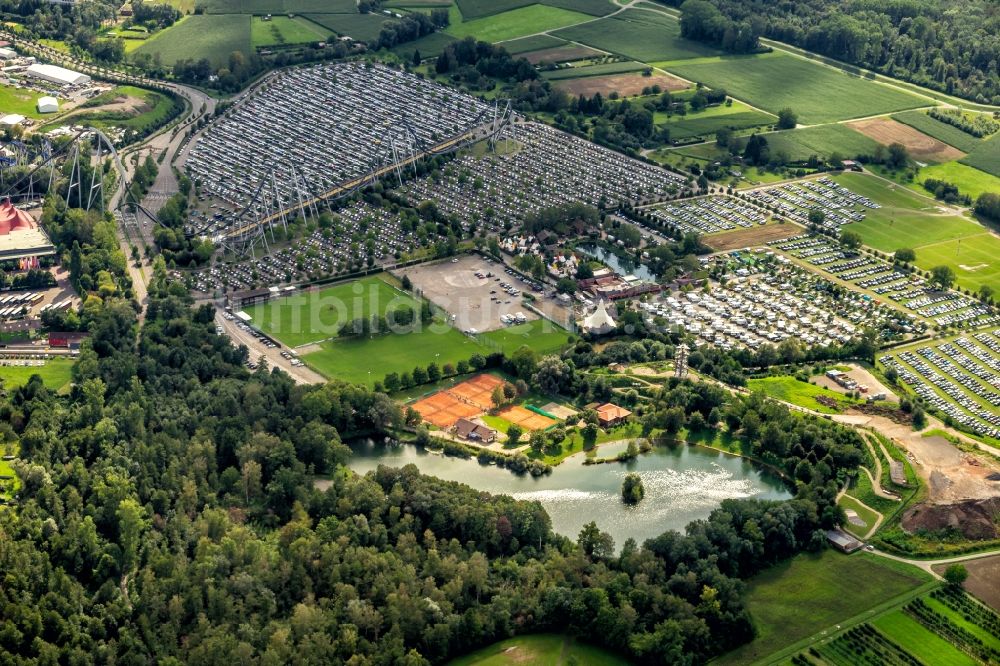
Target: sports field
516 23
366 361
546 649
969 180
639 35
540 335
311 316
774 81
909 220
56 374
836 587
213 37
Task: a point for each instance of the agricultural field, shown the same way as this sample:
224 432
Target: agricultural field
626 85
791 390
837 588
818 94
56 374
362 27
706 123
261 7
920 641
533 43
920 146
939 130
516 23
547 649
281 30
540 335
213 37
639 35
595 70
430 46
986 156
564 53
477 9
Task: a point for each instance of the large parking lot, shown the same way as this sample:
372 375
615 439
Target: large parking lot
472 289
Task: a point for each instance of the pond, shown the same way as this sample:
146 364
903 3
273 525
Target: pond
620 265
683 483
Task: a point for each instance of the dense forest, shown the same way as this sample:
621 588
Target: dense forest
168 514
948 45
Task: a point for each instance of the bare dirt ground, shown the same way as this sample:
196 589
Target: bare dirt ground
122 104
920 146
861 376
560 54
983 580
625 85
737 240
455 288
951 475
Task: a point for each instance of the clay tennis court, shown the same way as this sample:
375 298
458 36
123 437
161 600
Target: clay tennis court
467 399
525 418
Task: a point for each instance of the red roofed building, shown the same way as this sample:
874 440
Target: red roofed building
21 239
610 414
13 219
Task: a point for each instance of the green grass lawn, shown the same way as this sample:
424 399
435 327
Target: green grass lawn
156 109
921 642
540 650
21 102
818 94
638 34
351 360
201 36
540 335
516 23
905 218
793 391
283 30
9 486
430 46
986 156
311 316
864 513
970 180
56 374
811 592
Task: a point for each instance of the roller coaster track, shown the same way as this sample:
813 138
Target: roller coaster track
481 131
